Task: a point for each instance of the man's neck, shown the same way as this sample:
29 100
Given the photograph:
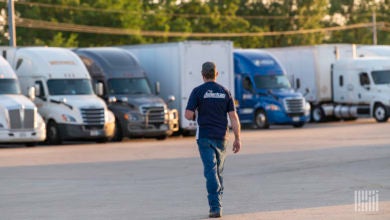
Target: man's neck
209 80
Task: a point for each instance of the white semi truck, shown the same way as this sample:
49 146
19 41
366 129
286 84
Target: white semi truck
64 94
337 82
177 66
20 121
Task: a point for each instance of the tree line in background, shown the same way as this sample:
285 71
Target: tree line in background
285 21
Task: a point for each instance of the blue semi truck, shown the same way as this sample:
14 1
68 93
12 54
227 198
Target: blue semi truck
263 92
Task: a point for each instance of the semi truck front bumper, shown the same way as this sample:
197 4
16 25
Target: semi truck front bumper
20 136
279 117
142 130
81 132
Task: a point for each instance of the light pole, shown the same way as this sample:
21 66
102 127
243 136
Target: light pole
11 23
374 35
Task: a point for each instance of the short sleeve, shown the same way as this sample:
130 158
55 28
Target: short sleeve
192 101
230 106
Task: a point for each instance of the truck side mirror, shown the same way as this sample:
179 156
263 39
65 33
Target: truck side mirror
307 91
32 92
157 87
38 91
99 89
297 83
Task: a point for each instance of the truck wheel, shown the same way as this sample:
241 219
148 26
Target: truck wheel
188 133
118 136
299 125
31 144
162 137
261 120
317 114
52 134
380 113
102 140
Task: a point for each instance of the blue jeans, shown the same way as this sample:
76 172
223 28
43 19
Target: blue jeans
213 154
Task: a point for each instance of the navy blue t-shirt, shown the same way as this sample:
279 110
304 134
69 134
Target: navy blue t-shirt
212 102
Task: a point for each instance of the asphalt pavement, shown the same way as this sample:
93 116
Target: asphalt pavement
281 173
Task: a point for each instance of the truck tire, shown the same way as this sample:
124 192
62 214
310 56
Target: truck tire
317 114
53 134
299 125
380 113
162 137
187 133
261 120
102 140
31 144
118 136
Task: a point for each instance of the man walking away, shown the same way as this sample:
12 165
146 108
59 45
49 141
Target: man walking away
212 104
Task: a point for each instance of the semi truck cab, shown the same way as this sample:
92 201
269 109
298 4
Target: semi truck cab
20 121
263 91
361 88
127 91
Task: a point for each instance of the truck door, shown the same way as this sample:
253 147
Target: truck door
247 93
364 90
41 99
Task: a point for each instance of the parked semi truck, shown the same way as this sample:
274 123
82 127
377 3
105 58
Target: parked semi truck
264 92
64 94
20 121
177 66
338 83
139 112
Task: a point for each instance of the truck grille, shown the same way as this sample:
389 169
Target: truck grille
294 105
154 114
93 116
21 118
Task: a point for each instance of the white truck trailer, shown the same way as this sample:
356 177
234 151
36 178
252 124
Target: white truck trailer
20 121
337 82
177 66
373 50
64 97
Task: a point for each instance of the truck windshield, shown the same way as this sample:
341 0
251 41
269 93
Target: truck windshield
272 82
9 86
381 77
129 86
69 87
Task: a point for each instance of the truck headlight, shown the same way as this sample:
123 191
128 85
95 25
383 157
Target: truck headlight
68 118
109 117
132 116
173 114
40 122
272 107
307 108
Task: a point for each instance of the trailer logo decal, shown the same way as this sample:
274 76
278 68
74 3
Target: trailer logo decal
210 94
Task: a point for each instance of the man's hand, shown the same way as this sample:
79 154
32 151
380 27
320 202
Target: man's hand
236 146
237 130
189 115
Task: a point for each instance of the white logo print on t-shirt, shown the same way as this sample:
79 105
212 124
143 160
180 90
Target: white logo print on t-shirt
216 95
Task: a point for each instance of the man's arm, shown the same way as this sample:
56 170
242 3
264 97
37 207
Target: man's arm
190 115
237 130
